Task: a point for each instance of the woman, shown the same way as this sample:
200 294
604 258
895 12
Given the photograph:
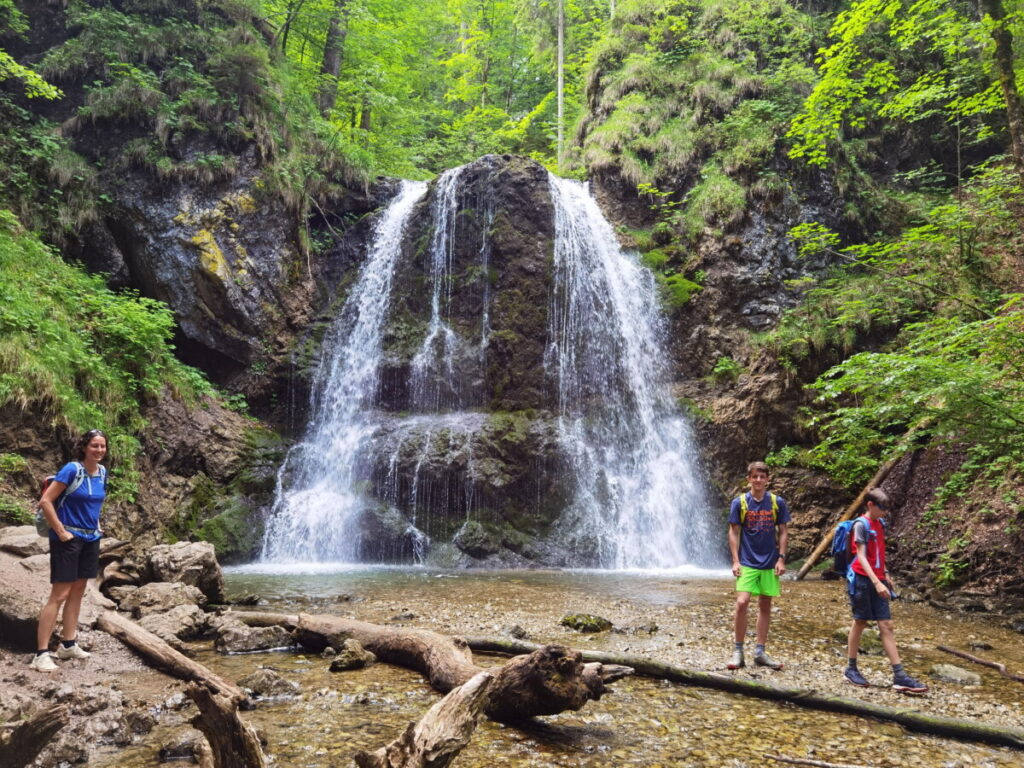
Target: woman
74 520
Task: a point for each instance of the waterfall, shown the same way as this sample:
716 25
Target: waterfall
395 467
310 518
639 500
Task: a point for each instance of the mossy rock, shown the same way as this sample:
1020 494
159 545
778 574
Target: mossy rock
586 622
232 531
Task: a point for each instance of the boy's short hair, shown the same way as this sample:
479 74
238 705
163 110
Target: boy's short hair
878 497
757 466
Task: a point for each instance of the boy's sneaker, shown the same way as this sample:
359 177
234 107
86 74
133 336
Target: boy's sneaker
72 652
853 675
764 660
906 684
736 662
43 663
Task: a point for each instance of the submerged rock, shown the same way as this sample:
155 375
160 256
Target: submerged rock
585 622
950 673
352 655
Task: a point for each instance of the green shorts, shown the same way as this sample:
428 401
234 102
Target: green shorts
758 581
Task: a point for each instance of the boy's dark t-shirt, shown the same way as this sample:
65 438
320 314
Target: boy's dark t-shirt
758 545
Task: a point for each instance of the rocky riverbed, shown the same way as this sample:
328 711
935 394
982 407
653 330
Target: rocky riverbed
680 619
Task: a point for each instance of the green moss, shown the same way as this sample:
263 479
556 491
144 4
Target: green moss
12 463
677 290
585 622
14 511
232 531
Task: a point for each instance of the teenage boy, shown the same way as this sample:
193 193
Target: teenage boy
758 536
870 592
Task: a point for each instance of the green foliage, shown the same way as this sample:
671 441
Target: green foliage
12 463
12 21
14 512
78 353
898 59
726 370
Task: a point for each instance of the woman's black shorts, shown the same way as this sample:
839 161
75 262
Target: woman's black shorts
73 560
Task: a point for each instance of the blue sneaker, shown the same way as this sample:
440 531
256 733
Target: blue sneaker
904 683
853 675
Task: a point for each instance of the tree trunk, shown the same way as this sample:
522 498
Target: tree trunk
440 735
937 725
163 657
551 679
334 44
559 154
25 742
874 482
234 743
1003 61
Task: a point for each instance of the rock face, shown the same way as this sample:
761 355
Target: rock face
191 563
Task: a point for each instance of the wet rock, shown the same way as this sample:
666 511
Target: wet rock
182 622
120 593
246 600
235 637
160 597
15 705
516 631
475 540
950 673
268 682
403 616
194 563
585 622
186 746
870 640
979 645
352 656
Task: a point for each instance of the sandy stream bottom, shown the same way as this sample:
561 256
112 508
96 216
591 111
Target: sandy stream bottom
643 722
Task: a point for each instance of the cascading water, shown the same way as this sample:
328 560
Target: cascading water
617 484
639 499
310 517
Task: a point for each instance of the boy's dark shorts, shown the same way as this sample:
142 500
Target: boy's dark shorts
866 603
73 560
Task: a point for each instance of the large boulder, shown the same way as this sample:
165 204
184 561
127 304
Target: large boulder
23 541
193 563
182 622
160 597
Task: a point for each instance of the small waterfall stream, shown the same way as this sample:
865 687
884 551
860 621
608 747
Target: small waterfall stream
620 449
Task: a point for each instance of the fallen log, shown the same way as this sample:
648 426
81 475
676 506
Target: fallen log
23 744
879 477
912 720
808 761
440 735
233 743
551 679
264 619
1001 668
164 657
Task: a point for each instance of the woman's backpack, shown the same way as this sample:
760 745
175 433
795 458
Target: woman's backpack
43 527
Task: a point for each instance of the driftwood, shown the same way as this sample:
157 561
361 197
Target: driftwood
551 679
1001 668
910 719
23 744
808 761
164 657
233 743
264 619
440 735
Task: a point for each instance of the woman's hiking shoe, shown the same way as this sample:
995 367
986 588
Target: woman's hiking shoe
853 675
764 660
906 684
736 662
72 652
43 663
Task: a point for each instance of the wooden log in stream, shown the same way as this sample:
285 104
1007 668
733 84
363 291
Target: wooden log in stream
24 743
233 743
910 719
163 657
547 680
440 734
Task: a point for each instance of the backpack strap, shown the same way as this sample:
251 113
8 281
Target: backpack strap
74 484
743 507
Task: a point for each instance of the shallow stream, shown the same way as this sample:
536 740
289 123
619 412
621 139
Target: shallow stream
678 618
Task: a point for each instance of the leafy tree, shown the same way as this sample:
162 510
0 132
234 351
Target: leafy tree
12 22
911 61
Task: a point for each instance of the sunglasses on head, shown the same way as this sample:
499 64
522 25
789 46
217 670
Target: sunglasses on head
94 433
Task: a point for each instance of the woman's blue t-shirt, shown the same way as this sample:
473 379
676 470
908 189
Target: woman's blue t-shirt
81 509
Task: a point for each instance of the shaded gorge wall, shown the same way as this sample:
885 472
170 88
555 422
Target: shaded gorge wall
494 392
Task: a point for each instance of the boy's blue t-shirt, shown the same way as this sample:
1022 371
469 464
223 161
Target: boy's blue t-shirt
81 509
758 545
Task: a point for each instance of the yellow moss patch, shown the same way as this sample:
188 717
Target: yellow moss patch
211 258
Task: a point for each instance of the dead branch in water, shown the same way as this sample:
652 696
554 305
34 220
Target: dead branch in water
809 761
440 735
24 743
1001 668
